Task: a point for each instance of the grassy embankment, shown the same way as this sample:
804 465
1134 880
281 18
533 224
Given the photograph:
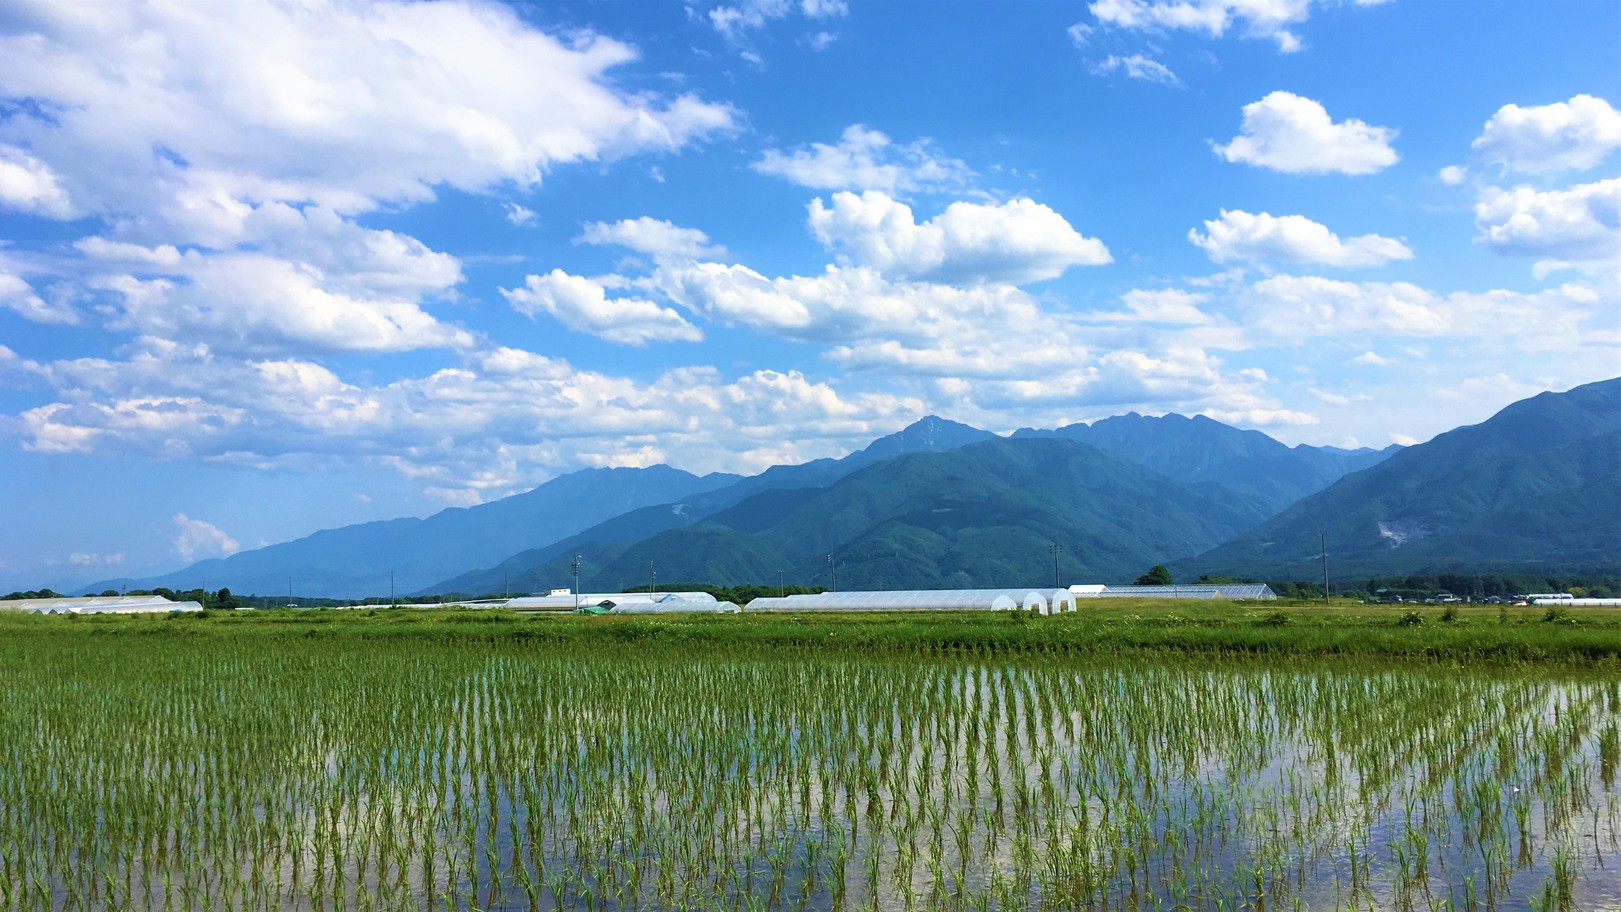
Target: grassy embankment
1583 636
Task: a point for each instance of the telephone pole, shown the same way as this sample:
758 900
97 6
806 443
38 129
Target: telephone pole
833 570
1056 549
1323 540
575 563
391 588
652 577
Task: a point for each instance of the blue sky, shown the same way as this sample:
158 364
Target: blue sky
269 268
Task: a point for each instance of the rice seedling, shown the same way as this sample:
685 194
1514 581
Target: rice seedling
299 772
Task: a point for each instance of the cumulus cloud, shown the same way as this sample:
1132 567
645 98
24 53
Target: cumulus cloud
1287 308
1136 66
1243 236
1268 19
1016 242
1373 359
489 423
198 539
866 159
1567 135
16 294
1289 133
1578 224
230 142
29 185
1166 305
583 305
651 236
256 100
256 303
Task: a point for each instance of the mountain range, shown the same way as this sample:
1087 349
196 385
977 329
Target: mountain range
943 504
1535 488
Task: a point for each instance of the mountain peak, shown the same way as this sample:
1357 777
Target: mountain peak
930 432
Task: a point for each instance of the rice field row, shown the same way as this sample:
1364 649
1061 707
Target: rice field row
294 773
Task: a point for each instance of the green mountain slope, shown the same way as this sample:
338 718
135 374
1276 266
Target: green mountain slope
983 514
1537 486
1200 449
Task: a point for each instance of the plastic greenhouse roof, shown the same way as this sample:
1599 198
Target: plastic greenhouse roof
1210 590
896 600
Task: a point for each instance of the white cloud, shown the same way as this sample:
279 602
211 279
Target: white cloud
18 295
1262 417
1290 308
1578 224
1165 305
29 185
1567 135
520 215
1266 19
87 559
1018 241
866 159
651 236
1136 66
229 147
1453 175
1405 440
1373 359
737 20
1242 236
251 302
1286 132
583 305
1333 398
343 105
503 417
198 539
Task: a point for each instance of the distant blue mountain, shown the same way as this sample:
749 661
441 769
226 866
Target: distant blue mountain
356 561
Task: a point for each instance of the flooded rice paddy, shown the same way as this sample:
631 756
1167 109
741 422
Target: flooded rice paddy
291 774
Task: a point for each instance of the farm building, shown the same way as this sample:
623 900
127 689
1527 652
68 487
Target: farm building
1046 601
100 604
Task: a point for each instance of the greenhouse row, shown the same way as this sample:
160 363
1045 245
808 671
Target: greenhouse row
1045 601
624 602
108 604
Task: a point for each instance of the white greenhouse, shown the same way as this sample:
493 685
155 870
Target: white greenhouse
624 602
100 604
1200 591
1044 601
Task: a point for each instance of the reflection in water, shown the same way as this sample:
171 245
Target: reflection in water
424 775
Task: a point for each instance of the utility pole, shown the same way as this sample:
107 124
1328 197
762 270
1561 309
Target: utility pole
576 565
833 569
1323 540
391 588
780 588
652 577
1056 549
289 589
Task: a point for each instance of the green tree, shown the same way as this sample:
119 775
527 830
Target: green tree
1157 575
